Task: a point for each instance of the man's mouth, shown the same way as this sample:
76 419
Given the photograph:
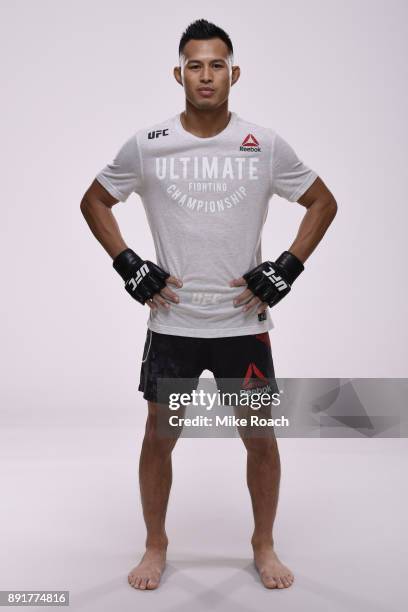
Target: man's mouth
206 91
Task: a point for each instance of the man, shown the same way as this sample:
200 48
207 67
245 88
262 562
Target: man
205 178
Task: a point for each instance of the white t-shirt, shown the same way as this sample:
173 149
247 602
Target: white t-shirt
206 201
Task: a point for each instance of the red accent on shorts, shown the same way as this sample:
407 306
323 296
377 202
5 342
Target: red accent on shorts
264 337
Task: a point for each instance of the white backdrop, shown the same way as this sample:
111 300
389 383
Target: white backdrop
80 77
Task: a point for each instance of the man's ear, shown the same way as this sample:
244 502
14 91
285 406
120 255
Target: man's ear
178 75
236 73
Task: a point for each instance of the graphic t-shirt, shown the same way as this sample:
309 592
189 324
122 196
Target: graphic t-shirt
206 201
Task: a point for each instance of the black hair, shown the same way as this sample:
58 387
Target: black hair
201 29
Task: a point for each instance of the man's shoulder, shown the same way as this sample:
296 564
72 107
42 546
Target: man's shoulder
154 133
255 137
256 127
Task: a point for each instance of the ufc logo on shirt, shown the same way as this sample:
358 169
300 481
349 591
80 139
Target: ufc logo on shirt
205 298
275 279
158 133
133 282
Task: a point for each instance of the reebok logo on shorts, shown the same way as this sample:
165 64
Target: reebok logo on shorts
249 381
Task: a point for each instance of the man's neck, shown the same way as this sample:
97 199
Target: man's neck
205 123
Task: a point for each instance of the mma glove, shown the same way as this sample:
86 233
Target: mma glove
142 278
271 281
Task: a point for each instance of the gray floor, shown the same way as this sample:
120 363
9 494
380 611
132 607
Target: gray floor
70 519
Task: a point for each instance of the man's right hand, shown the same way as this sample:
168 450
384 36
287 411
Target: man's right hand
145 281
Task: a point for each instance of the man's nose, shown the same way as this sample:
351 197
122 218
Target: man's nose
206 74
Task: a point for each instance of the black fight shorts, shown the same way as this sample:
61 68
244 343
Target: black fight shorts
237 363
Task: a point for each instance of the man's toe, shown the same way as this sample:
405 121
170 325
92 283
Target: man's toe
131 579
143 583
269 582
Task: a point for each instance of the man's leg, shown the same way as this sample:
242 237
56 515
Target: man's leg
263 479
155 477
243 363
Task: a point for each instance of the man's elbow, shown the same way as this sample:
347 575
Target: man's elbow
330 207
85 205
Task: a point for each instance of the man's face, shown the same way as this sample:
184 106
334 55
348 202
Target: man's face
206 73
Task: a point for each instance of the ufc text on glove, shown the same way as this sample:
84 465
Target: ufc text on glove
271 281
142 278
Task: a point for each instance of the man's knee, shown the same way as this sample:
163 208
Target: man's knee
158 433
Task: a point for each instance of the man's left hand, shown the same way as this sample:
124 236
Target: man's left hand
268 282
247 295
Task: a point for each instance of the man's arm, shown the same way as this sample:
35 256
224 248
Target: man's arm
96 207
321 210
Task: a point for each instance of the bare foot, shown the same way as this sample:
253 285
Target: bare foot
273 573
147 574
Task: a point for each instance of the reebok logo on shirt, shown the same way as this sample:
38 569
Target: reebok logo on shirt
250 143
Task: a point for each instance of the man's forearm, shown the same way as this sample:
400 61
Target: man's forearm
103 226
313 227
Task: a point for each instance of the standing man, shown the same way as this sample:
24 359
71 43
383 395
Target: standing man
205 178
